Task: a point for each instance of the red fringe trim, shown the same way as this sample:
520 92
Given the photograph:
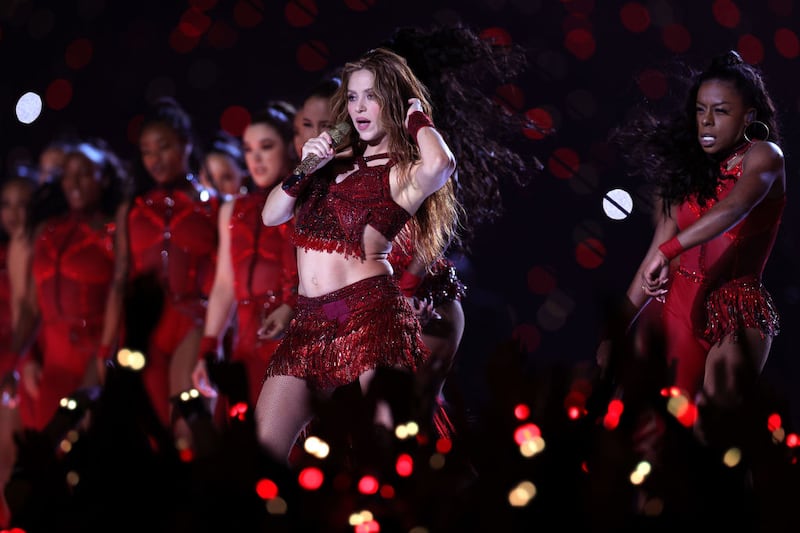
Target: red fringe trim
739 305
335 338
324 245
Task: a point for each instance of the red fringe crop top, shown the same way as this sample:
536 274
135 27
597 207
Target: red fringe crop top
332 216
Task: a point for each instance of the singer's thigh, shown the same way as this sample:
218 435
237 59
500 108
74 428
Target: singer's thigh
282 411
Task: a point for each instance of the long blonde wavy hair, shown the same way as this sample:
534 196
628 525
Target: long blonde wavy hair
434 225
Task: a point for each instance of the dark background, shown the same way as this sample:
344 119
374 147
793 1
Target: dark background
539 274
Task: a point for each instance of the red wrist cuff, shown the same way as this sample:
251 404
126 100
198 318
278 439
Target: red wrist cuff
416 121
408 283
208 344
672 248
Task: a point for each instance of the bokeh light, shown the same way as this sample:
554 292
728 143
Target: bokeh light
78 53
787 43
266 489
313 56
248 13
726 13
58 94
29 107
635 17
541 280
234 120
590 253
301 13
311 478
617 204
676 38
751 49
564 163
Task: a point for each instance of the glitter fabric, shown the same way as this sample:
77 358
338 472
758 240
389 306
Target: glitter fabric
335 338
740 304
440 285
332 216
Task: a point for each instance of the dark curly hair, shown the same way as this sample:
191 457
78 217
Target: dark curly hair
666 152
457 66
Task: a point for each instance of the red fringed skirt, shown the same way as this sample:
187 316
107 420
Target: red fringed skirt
335 338
739 304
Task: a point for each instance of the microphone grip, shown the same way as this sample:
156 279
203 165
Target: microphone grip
294 183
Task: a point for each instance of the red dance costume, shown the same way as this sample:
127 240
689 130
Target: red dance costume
265 276
716 290
335 338
7 358
172 234
73 267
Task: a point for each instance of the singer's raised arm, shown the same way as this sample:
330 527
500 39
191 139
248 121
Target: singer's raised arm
436 163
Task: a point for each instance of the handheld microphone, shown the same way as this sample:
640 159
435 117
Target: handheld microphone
338 134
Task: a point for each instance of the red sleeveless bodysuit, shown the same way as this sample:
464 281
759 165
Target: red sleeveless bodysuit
73 267
716 290
265 276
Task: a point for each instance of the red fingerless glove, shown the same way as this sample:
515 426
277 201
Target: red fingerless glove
671 248
409 283
416 121
208 344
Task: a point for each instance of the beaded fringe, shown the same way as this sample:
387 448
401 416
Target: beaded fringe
739 305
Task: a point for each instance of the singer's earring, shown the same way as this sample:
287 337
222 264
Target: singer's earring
759 124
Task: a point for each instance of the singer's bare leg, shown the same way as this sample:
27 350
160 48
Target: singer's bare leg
282 411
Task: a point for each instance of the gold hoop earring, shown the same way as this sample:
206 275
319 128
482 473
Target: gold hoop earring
760 124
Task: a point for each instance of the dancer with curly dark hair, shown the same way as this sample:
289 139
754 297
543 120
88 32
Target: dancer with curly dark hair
721 182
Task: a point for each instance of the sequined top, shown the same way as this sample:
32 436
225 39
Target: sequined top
332 216
741 251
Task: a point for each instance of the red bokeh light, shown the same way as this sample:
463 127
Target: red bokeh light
301 13
78 53
526 432
186 455
751 49
528 336
726 13
194 23
404 465
496 36
792 440
58 94
590 253
635 17
564 163
182 43
368 485
248 13
541 123
387 492
444 445
510 97
522 411
676 38
580 43
541 281
234 120
312 56
787 43
774 422
266 489
310 478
